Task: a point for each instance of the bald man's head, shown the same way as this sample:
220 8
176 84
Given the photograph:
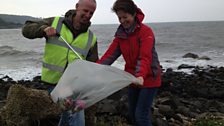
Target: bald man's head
84 11
87 0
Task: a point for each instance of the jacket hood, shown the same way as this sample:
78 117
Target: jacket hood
139 15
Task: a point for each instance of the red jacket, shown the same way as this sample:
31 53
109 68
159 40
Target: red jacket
138 50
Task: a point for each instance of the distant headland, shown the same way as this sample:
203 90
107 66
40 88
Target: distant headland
8 21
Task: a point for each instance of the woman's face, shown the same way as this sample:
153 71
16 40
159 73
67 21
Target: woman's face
126 19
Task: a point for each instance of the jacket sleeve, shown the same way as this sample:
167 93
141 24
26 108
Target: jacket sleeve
112 53
93 53
145 58
35 29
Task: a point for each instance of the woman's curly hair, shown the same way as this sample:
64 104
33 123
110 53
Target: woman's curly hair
127 6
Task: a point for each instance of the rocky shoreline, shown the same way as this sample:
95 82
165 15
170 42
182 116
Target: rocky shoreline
183 100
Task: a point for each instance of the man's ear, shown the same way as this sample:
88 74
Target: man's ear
77 5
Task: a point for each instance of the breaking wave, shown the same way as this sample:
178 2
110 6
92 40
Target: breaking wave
10 51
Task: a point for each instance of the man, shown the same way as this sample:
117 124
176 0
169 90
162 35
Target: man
74 28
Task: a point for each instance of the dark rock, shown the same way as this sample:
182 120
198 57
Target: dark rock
191 55
169 70
160 122
204 58
181 98
185 66
107 106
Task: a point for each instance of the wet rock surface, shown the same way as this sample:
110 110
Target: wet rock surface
182 100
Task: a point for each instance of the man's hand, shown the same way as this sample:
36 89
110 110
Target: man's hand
73 105
138 81
50 31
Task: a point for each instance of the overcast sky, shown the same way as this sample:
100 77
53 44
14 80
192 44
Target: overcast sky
155 10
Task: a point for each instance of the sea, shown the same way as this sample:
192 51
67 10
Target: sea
21 58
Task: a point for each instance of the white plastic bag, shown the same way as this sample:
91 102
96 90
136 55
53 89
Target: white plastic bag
90 82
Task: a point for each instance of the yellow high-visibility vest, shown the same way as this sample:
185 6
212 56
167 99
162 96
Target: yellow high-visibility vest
57 54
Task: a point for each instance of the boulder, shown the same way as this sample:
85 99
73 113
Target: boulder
191 55
25 106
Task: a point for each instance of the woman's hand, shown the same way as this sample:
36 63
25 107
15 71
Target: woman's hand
138 81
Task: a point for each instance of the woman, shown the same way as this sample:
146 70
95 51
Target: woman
136 42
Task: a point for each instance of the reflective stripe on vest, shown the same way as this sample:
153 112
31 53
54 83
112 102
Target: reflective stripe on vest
57 54
53 67
84 52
